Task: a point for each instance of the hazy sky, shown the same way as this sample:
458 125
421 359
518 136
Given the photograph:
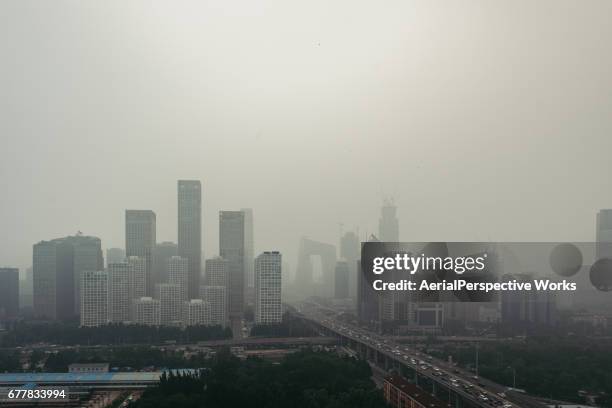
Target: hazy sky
484 119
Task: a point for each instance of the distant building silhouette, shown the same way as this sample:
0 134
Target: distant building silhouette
190 231
249 250
115 255
305 279
163 252
604 234
57 269
349 250
388 224
9 293
341 285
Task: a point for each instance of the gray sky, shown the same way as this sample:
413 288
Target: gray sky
484 119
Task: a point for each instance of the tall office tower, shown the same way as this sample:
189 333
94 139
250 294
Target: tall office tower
341 287
368 304
170 303
178 273
231 248
147 311
249 250
87 257
309 283
268 288
163 252
140 238
94 298
196 312
349 250
190 230
388 224
57 267
115 256
120 294
9 293
604 234
26 295
217 272
138 277
217 299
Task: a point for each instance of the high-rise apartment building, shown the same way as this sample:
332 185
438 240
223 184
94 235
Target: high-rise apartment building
196 312
217 272
121 298
217 300
147 311
231 248
9 293
138 276
140 239
94 300
268 288
190 230
87 256
178 273
171 303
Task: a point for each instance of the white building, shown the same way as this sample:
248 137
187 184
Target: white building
94 298
216 296
268 288
178 274
147 311
170 303
196 312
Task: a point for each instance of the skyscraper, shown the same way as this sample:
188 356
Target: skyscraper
87 256
341 287
140 239
388 224
190 230
115 255
249 250
216 298
147 311
163 252
178 274
57 268
94 298
268 288
217 272
170 303
196 312
120 291
9 293
231 248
